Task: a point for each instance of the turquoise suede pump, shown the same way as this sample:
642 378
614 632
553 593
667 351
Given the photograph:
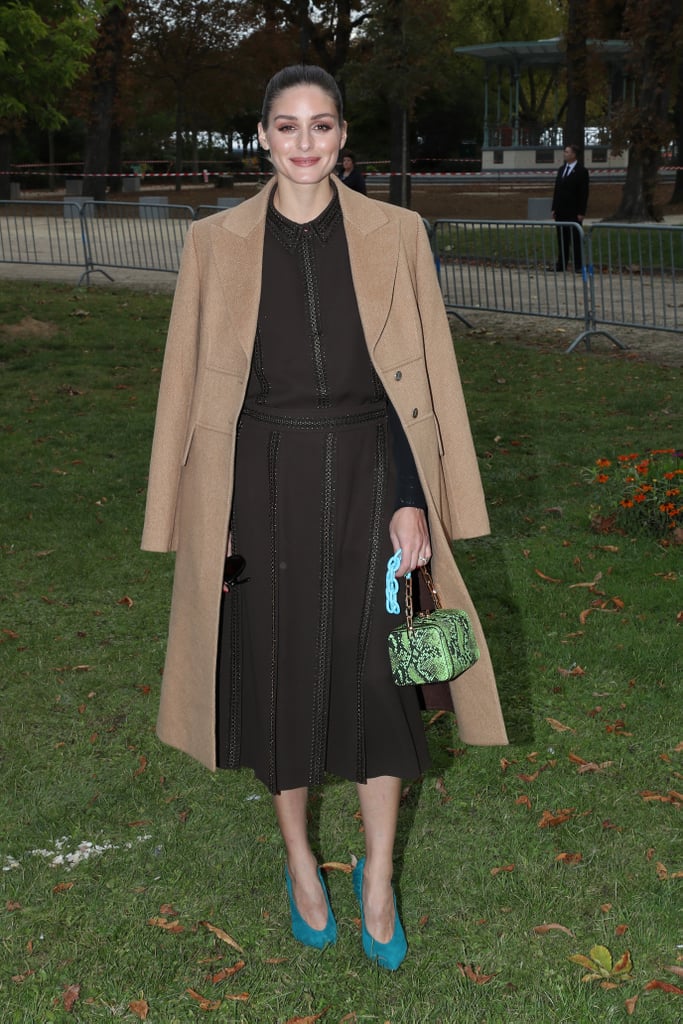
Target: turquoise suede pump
389 954
302 932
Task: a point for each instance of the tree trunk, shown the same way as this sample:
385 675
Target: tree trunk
106 70
677 194
638 196
5 164
575 125
178 142
399 183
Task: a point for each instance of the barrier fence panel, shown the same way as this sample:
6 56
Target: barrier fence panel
120 235
510 267
638 275
42 232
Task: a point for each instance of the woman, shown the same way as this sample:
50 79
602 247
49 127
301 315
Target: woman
304 320
350 174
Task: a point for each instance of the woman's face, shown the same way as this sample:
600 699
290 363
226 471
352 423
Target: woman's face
303 135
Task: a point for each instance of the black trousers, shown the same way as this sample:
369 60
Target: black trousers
568 238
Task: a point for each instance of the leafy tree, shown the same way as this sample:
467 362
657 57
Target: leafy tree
180 46
404 50
654 32
102 96
44 46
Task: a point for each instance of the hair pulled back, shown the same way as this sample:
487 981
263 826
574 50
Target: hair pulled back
300 74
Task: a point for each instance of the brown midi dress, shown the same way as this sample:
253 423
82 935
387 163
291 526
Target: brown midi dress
303 679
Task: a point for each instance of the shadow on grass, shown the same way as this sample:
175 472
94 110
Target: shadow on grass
483 567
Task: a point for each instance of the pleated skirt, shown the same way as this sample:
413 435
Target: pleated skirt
303 679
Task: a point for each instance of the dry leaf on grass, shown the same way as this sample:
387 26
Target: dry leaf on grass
474 974
175 927
664 986
551 819
223 936
139 1008
70 996
548 579
335 865
558 726
505 867
543 929
204 1003
227 972
569 858
308 1020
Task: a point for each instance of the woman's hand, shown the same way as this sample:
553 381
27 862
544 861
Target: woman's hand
408 531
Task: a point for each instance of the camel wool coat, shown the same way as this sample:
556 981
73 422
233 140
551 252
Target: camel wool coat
204 378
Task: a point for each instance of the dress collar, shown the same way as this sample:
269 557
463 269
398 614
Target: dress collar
290 233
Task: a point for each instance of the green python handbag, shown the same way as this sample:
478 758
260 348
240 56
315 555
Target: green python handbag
432 647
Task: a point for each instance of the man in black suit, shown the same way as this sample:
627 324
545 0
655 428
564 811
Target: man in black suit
570 200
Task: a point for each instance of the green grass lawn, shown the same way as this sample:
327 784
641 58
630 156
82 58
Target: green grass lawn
575 825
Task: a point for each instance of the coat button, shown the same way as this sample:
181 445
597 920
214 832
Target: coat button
414 414
398 375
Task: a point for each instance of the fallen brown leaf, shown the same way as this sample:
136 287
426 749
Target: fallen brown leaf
308 1020
19 978
223 936
140 1008
664 986
334 865
12 905
550 819
569 858
542 929
227 972
474 974
524 801
558 726
675 970
621 929
70 996
169 926
630 1005
505 867
548 579
63 887
204 1003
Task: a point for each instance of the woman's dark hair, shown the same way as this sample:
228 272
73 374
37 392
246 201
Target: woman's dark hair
300 74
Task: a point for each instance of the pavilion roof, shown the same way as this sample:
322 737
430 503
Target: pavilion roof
540 52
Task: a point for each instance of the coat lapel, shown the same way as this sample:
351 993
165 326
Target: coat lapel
373 242
237 252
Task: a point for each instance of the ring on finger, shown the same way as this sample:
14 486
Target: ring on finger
422 560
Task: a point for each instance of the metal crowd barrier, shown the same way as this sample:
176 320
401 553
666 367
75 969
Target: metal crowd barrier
638 275
48 233
135 236
632 275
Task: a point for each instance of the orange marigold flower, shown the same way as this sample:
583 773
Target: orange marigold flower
643 467
626 503
628 458
630 479
602 478
673 492
640 498
668 507
603 463
670 475
645 487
